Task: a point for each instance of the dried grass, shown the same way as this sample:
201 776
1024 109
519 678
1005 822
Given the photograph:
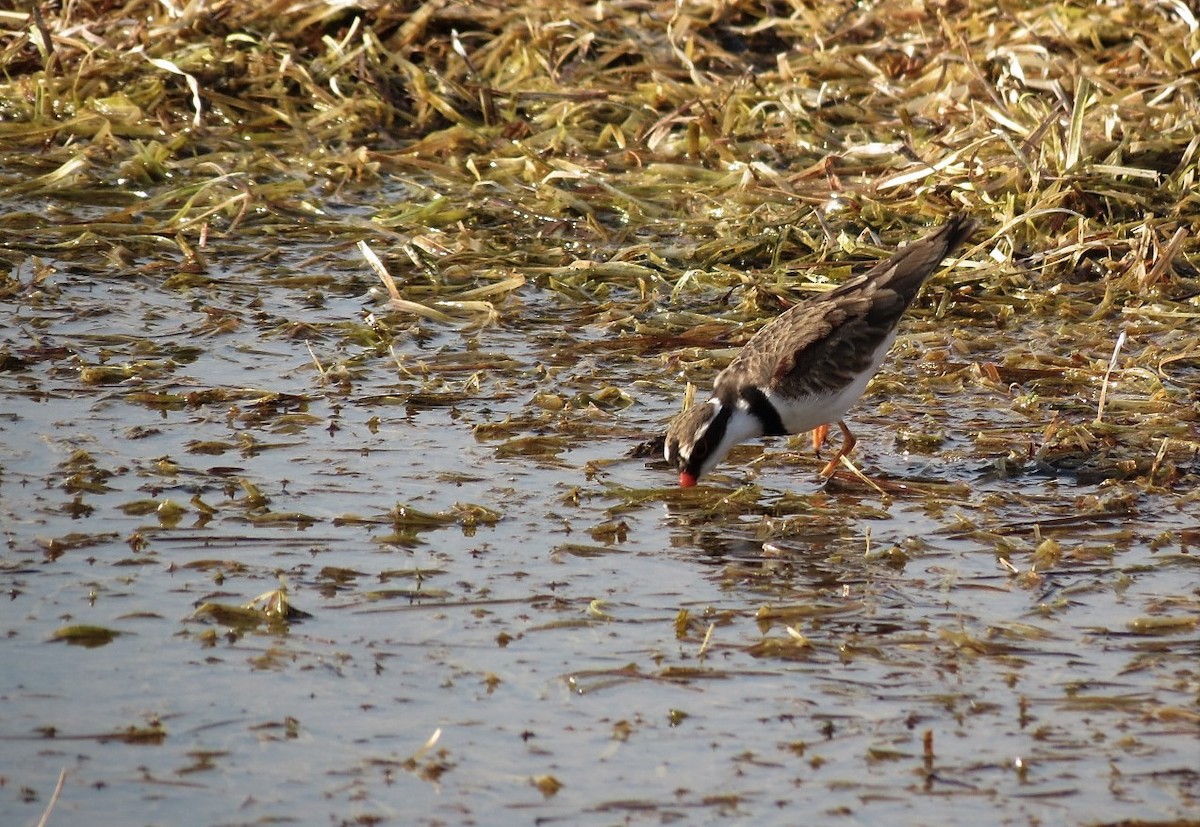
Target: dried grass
1048 117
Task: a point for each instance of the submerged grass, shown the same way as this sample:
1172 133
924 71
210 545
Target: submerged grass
635 186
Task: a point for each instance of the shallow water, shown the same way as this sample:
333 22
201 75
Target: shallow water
587 643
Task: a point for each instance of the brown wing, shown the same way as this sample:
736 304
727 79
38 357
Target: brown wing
861 326
822 343
780 346
816 346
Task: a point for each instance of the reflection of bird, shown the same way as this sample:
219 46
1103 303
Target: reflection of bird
807 367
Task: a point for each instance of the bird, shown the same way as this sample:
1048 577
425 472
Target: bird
808 366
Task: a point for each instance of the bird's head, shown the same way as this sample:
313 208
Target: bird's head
698 439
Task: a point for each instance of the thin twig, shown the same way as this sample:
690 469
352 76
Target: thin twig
1112 364
707 637
62 776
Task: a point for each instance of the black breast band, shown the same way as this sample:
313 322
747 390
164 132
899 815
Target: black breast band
762 408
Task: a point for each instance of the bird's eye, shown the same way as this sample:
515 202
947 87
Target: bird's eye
673 455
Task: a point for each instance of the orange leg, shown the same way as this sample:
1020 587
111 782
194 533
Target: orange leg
818 436
847 446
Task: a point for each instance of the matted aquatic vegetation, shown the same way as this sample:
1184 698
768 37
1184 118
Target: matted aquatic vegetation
388 302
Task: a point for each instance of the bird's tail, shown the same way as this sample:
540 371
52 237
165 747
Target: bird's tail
908 269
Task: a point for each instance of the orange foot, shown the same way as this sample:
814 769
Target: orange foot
848 444
819 434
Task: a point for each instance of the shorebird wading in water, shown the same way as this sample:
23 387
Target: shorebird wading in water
807 367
